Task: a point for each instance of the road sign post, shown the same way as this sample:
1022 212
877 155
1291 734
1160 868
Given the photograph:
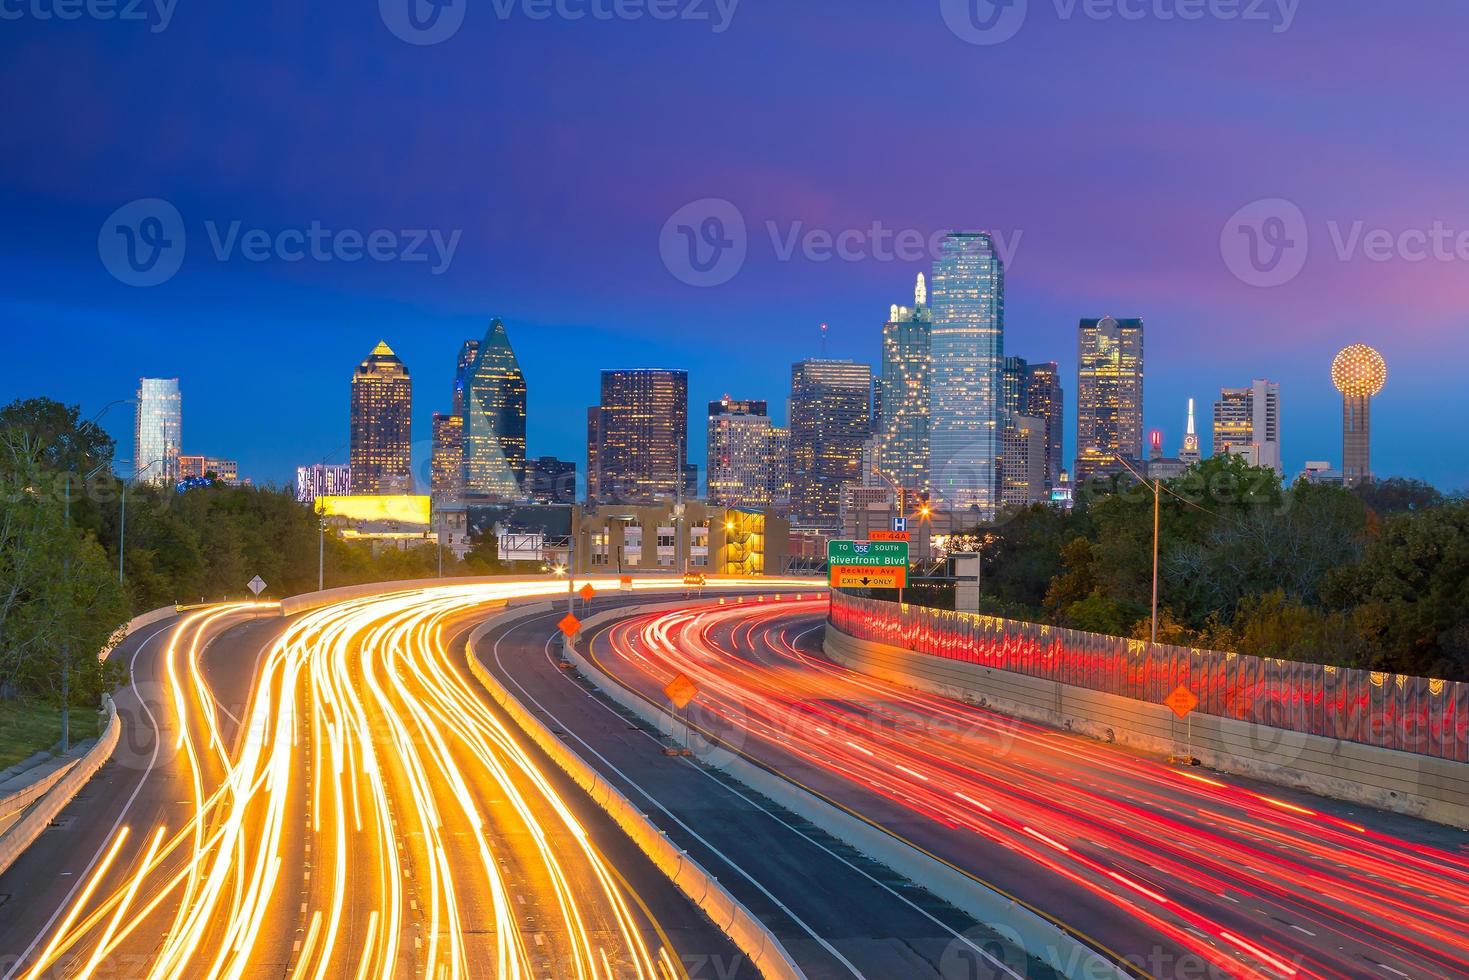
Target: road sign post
868 564
256 585
1182 702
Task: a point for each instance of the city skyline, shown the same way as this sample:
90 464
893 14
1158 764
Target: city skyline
1084 239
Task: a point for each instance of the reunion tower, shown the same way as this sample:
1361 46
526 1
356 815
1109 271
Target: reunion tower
1359 373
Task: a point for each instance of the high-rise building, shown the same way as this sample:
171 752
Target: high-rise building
639 443
1014 391
1045 400
381 424
903 429
738 472
468 352
550 480
158 430
779 490
1359 373
594 451
968 350
1247 422
446 469
1189 454
1023 461
323 480
830 419
494 419
1109 396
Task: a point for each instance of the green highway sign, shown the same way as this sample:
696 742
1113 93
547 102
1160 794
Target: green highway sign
869 554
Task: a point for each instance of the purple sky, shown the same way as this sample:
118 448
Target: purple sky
1111 152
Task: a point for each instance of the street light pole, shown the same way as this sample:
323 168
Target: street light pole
1157 495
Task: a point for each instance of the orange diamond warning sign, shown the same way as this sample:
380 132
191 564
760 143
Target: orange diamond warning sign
681 691
1182 701
569 625
587 592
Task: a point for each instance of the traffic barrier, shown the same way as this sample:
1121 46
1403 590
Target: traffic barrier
729 915
50 794
1030 929
61 792
971 668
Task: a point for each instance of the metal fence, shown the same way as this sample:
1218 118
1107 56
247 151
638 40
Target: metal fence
1394 711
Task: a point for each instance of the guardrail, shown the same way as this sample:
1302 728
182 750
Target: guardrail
729 914
1030 930
1391 711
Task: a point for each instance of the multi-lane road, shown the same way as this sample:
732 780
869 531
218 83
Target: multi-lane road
332 794
1174 870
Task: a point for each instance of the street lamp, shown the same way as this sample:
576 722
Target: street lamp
122 518
1157 488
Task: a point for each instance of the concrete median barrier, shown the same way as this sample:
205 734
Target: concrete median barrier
1036 933
727 913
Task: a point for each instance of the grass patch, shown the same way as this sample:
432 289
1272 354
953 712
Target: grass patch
29 726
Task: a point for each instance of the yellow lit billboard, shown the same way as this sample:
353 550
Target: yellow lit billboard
401 509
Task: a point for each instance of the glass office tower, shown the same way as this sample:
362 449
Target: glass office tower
968 350
831 417
906 365
494 419
158 430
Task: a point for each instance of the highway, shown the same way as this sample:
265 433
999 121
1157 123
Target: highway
837 912
333 795
1174 871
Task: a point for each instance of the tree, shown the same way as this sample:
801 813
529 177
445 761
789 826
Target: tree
1397 494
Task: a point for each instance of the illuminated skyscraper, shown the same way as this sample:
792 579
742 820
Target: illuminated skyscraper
637 446
1023 461
1247 422
1359 373
830 413
739 468
1045 400
467 354
1014 392
1109 396
968 351
494 419
1189 453
903 431
381 424
447 466
158 429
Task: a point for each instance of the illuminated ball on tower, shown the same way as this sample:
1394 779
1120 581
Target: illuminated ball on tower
1359 373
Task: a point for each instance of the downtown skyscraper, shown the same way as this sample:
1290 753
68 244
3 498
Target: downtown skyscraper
831 417
903 422
741 467
1109 397
158 428
968 352
1247 423
494 410
381 424
637 437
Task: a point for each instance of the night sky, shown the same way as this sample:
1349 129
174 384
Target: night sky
1112 156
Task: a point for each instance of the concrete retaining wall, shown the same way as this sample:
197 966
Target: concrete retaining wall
28 828
730 915
1421 786
1029 929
